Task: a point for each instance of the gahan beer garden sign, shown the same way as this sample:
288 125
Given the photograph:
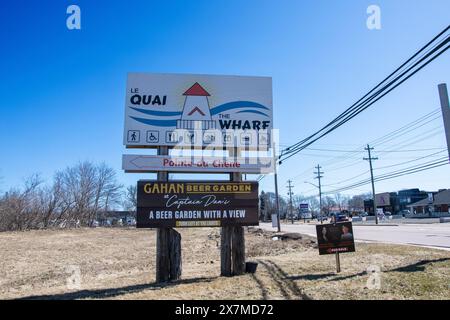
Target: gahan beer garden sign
198 110
196 204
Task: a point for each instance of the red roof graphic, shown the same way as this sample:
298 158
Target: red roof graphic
196 90
196 109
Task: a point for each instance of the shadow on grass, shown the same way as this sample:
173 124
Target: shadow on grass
311 277
414 267
418 266
114 292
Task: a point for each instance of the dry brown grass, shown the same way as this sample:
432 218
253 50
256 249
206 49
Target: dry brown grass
120 264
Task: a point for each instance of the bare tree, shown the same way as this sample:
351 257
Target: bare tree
74 198
18 208
327 204
356 203
87 189
107 190
130 202
341 201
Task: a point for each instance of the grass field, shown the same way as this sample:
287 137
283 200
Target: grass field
120 264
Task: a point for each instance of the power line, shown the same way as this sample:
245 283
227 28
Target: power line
370 98
414 160
419 123
388 166
356 109
353 155
395 174
398 146
414 150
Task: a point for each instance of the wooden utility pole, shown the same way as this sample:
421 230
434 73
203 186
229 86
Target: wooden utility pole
290 186
370 158
319 176
443 95
168 243
232 241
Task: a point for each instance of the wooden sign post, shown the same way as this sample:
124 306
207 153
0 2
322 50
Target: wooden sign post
232 242
168 244
338 263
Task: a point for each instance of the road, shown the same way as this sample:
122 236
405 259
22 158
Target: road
424 235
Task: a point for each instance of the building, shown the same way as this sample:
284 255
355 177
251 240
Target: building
386 201
438 202
395 202
407 197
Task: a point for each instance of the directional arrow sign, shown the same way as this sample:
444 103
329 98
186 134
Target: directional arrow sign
141 163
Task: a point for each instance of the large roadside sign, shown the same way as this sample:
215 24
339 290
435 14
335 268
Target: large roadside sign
196 204
201 164
335 238
182 110
383 199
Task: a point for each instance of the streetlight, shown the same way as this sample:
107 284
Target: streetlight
320 198
311 184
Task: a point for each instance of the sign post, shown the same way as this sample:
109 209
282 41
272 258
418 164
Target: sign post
338 263
232 249
168 243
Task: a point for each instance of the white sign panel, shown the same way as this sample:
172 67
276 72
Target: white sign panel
274 220
198 110
141 163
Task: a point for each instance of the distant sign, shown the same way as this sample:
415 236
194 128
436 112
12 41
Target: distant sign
143 163
196 204
383 199
303 207
198 110
335 238
274 220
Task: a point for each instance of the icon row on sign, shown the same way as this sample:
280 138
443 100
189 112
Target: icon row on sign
200 137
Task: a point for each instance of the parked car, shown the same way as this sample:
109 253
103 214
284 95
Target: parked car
404 212
338 217
363 214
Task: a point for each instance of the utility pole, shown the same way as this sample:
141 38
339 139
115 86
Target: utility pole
370 158
290 186
319 176
443 95
277 201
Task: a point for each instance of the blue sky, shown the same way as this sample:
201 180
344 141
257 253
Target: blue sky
63 91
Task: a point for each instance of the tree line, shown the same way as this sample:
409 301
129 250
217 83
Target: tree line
337 202
76 196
